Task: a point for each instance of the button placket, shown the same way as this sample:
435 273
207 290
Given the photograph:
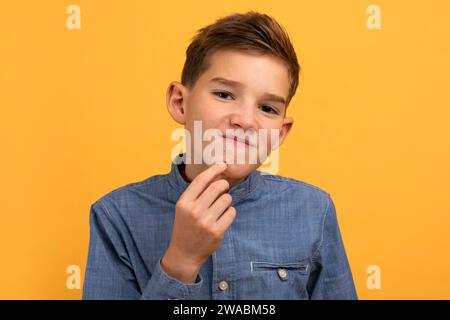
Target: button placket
224 274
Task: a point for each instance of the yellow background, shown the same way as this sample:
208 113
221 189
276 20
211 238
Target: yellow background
83 112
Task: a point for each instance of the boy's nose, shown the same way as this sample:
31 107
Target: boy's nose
244 118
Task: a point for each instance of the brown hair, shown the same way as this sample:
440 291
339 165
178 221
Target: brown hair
251 31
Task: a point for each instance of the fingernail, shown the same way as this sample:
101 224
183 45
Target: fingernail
222 165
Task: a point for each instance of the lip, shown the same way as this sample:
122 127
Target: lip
245 141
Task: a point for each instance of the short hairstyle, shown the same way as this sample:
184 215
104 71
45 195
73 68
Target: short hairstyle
252 32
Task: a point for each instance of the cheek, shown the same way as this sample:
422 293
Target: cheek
212 112
273 135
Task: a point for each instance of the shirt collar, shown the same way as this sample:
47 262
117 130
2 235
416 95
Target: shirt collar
237 191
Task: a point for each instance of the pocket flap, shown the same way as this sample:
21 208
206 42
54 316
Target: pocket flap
298 266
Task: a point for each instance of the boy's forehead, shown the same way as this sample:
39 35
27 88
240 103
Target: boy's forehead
227 59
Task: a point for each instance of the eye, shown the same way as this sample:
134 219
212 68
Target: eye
268 109
222 94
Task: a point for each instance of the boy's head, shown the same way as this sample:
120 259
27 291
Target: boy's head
240 73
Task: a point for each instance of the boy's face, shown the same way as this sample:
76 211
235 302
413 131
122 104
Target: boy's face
248 104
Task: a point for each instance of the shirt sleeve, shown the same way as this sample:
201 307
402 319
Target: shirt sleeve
109 272
331 274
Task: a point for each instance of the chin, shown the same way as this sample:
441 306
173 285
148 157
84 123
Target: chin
238 171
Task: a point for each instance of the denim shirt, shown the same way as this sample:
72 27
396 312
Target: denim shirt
284 243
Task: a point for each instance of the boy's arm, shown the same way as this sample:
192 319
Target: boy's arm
109 273
331 275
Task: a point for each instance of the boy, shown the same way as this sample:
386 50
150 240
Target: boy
223 230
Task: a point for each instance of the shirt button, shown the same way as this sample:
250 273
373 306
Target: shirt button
223 285
282 273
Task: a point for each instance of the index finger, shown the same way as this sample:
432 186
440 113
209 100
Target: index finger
200 182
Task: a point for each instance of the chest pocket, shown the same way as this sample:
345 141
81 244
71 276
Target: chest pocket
281 280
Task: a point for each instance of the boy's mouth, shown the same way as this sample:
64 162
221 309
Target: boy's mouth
237 140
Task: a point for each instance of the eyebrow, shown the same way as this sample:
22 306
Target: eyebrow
235 84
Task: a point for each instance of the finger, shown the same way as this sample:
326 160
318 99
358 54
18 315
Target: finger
200 182
212 192
226 219
220 206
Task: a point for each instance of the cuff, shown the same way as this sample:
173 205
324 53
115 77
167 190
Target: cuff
162 286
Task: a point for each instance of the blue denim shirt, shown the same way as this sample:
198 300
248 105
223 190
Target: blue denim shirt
284 243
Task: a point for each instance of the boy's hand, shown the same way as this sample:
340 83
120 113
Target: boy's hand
202 215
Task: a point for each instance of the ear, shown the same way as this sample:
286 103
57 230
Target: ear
176 101
288 122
